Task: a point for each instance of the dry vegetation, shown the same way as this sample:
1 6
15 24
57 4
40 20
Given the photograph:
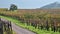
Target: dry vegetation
41 18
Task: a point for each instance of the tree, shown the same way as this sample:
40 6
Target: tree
13 7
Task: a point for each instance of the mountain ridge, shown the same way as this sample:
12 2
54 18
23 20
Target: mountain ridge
55 5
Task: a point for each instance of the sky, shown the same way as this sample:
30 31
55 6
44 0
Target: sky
25 4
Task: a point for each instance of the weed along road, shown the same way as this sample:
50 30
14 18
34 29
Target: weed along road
20 30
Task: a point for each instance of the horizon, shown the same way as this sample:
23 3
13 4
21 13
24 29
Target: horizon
26 4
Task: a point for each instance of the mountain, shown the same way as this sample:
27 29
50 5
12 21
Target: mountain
55 5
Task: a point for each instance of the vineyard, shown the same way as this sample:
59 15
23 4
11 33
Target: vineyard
44 19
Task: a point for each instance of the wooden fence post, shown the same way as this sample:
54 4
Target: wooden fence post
1 27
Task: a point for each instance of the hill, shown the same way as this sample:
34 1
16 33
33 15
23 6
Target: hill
55 5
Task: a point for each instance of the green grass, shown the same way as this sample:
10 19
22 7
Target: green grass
31 28
13 32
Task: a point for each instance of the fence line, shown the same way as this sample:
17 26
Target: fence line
5 26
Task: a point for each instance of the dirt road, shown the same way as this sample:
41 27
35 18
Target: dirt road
20 30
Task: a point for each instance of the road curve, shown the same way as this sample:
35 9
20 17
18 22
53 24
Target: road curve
20 30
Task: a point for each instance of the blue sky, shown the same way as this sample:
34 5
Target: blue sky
25 4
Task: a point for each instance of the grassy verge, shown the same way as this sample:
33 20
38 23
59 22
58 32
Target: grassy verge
38 31
13 32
